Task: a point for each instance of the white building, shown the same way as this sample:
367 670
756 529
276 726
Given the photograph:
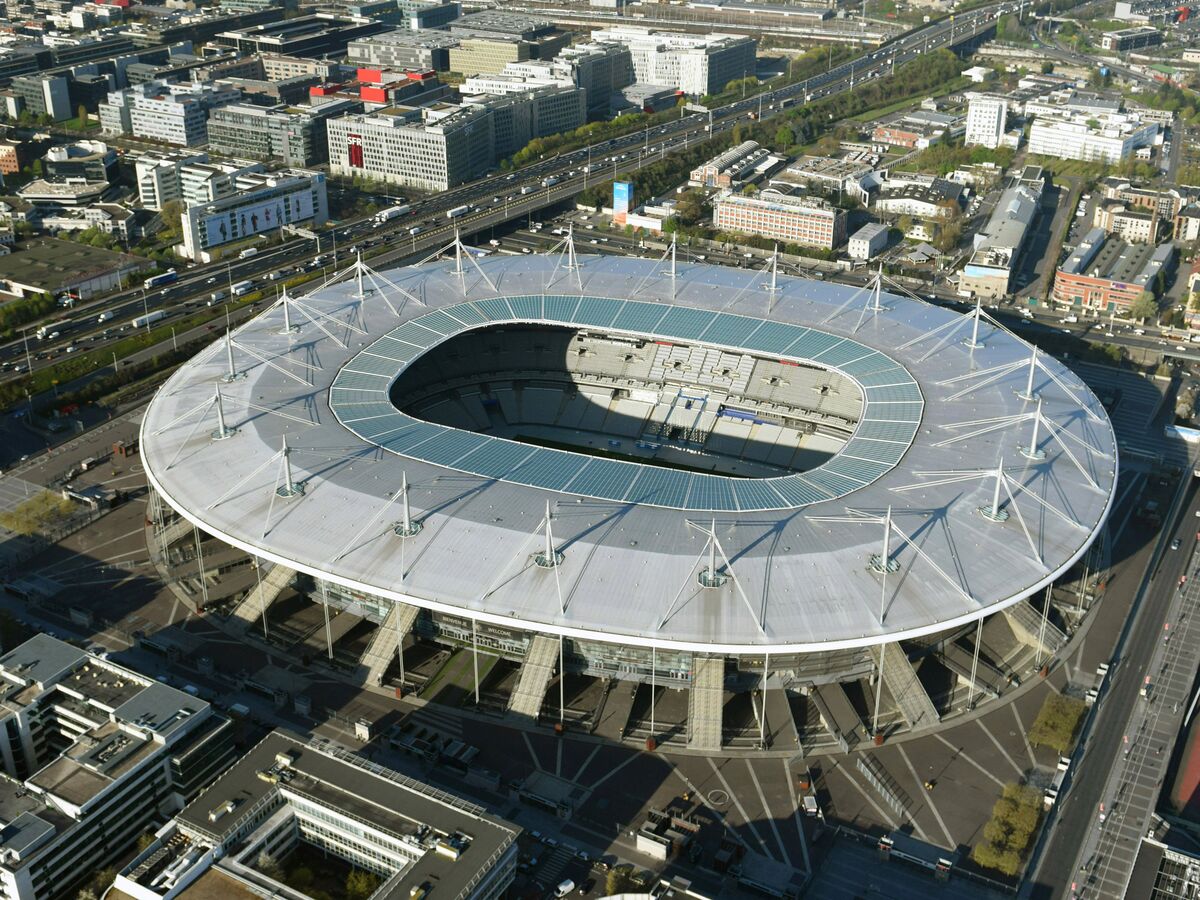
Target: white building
696 64
92 754
188 177
987 115
431 148
867 241
261 203
600 69
289 795
1107 138
171 113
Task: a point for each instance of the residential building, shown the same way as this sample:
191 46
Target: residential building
403 50
44 95
1099 137
987 117
1131 39
804 221
313 36
1187 223
92 754
261 202
697 64
998 247
1167 201
430 148
10 157
173 114
297 135
89 160
287 794
1137 226
1106 274
868 241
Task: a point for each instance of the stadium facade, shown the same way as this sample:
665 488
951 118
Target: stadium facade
711 479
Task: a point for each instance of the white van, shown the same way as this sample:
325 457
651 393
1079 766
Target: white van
564 887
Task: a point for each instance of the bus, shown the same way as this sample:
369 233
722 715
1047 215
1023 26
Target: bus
168 277
44 331
242 288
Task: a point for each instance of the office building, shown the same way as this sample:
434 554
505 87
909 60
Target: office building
89 160
922 196
43 95
999 245
521 116
403 50
287 795
296 135
803 221
1131 39
188 178
866 243
424 15
987 116
1106 274
696 64
1092 137
158 177
173 114
1166 201
313 36
92 753
260 203
600 69
489 55
746 163
430 148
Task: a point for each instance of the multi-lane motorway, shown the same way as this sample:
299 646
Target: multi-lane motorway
499 197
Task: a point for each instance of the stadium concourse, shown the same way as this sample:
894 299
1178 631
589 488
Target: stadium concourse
723 483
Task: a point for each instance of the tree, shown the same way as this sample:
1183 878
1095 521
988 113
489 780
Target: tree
784 137
1144 307
81 113
1047 67
267 864
620 880
172 217
1056 722
361 884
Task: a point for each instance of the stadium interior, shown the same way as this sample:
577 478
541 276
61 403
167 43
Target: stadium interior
687 406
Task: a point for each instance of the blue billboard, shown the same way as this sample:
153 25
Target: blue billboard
622 197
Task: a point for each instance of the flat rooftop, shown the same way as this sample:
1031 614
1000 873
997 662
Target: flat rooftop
49 264
380 797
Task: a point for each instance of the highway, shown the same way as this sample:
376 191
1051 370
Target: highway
491 200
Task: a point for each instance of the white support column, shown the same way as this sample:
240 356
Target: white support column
475 657
877 298
993 512
1028 394
973 343
200 566
653 665
975 666
231 372
358 275
1041 641
262 597
222 431
884 560
762 702
1032 451
562 682
407 527
328 630
878 691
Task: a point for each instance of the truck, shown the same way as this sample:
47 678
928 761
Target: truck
103 317
392 212
457 211
149 319
1072 319
248 252
549 181
810 805
242 288
215 297
52 329
168 277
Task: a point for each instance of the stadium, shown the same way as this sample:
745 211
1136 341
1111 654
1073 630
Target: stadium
735 488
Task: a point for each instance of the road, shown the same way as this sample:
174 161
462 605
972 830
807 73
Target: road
1076 824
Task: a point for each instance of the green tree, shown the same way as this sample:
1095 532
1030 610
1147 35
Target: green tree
620 880
1047 67
784 138
1057 722
81 113
172 218
1144 307
361 884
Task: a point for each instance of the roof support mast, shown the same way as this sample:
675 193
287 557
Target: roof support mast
222 431
1029 394
1032 451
